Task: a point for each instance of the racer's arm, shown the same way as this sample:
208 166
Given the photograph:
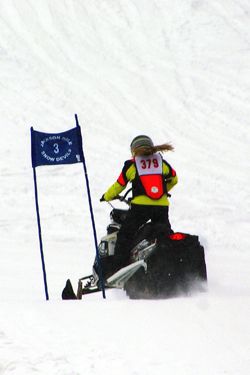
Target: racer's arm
171 176
113 191
118 186
172 182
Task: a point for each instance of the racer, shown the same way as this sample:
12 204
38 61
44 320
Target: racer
152 178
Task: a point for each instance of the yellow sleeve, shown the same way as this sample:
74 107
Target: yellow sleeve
113 191
171 182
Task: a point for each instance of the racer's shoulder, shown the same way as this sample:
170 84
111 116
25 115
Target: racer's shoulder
167 168
128 163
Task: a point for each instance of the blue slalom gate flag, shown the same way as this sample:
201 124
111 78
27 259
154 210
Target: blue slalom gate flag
56 148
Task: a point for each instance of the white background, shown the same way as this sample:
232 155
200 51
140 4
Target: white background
178 71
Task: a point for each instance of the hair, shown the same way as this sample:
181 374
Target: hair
149 150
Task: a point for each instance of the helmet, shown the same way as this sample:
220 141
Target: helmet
141 141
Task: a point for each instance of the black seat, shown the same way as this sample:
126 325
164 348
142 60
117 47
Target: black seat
118 216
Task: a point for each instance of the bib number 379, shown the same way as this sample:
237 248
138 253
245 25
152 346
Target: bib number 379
148 163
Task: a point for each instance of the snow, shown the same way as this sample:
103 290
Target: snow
177 71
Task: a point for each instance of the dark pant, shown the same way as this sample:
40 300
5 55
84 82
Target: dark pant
138 215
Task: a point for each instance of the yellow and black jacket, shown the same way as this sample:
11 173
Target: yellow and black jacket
130 174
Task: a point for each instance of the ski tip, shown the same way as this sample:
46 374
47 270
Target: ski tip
68 292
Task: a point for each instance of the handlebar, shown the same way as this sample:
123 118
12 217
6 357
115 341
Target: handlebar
121 198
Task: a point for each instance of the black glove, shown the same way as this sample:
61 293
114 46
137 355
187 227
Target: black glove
102 198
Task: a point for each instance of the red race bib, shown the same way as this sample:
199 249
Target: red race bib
149 169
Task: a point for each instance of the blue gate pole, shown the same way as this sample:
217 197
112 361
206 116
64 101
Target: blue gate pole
40 236
93 221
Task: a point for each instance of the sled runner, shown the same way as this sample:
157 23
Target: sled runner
162 265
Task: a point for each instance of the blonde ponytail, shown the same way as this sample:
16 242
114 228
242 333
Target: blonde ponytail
149 150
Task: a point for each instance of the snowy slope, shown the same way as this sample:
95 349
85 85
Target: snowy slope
177 71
